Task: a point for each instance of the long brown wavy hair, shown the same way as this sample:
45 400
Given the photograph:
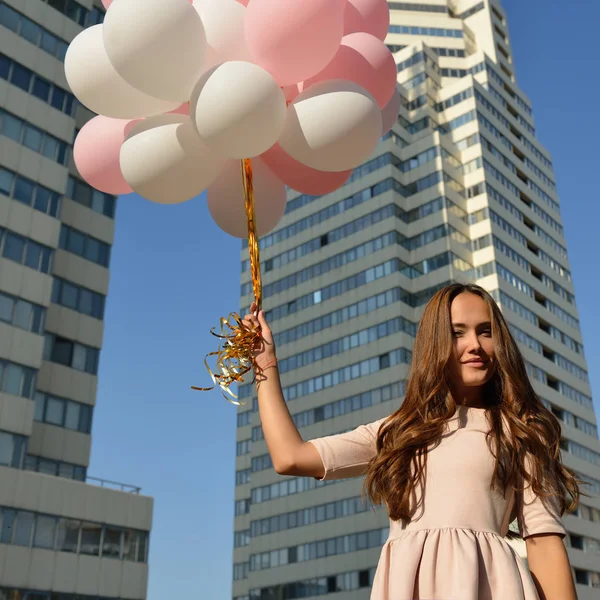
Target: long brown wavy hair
530 431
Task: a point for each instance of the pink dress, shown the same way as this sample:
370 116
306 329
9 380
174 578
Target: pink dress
454 548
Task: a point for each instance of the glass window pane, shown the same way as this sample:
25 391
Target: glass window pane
48 467
41 89
90 538
42 198
85 420
23 528
92 250
5 64
79 357
65 470
86 301
76 243
111 544
21 77
6 449
6 179
49 43
23 314
68 295
130 545
50 148
9 18
23 190
40 402
55 411
12 382
98 202
68 535
6 308
58 98
33 255
72 416
11 127
13 247
30 31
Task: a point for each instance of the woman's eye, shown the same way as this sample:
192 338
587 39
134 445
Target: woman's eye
457 333
487 333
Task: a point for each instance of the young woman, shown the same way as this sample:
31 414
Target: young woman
471 448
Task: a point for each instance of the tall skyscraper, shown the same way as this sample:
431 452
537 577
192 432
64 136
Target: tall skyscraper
63 535
461 189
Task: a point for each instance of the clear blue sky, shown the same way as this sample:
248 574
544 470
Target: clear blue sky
173 273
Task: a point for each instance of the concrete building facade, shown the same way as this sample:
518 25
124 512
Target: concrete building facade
461 189
63 535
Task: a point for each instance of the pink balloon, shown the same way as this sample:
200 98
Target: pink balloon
301 178
291 91
390 112
364 60
370 16
184 109
96 154
107 3
294 39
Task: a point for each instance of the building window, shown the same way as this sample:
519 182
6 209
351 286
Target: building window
22 314
25 528
37 86
55 468
99 202
17 380
84 245
63 413
29 193
71 354
78 298
25 251
12 449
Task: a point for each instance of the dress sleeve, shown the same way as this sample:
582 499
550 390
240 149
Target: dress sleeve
538 515
348 454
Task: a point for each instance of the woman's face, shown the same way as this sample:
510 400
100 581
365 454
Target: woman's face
472 363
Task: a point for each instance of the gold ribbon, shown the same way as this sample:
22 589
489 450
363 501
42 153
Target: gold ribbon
235 355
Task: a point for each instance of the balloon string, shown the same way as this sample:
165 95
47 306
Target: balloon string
235 355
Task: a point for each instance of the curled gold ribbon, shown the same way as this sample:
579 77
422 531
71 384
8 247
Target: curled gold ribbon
235 355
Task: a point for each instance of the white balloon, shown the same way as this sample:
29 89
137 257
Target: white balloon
239 109
223 22
164 160
158 46
226 199
93 79
332 126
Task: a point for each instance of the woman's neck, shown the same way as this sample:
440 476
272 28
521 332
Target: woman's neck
471 397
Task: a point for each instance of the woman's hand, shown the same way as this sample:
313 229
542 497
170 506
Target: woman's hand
264 351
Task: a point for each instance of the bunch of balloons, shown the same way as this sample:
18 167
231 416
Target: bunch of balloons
185 89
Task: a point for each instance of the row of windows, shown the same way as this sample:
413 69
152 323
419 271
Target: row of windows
31 83
84 245
287 487
241 538
530 316
22 314
410 6
261 463
16 379
240 571
454 52
25 251
413 60
309 516
78 298
29 193
13 449
343 544
71 354
99 202
76 12
471 11
20 594
359 198
32 32
582 452
55 468
63 413
33 138
29 529
500 98
243 447
408 30
491 70
341 315
410 216
318 586
243 476
347 342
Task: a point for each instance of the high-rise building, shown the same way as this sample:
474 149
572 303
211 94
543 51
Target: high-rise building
461 189
63 535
